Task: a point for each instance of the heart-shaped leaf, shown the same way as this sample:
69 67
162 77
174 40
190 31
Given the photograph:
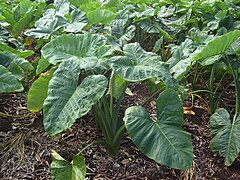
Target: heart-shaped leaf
66 100
103 16
8 82
62 169
138 65
161 139
218 45
225 135
82 47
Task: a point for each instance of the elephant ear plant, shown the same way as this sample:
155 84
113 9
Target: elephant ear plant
225 130
89 77
13 69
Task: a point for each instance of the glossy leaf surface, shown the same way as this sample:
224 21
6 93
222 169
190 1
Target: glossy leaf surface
218 45
38 92
161 139
66 100
62 169
82 47
225 135
8 82
139 65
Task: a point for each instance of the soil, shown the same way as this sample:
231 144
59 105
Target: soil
25 148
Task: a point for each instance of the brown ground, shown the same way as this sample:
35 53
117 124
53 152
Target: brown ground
25 149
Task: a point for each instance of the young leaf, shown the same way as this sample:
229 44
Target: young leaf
8 82
62 169
42 65
117 86
66 100
161 139
225 135
218 45
38 92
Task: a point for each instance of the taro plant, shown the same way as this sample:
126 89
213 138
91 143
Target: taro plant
18 15
161 138
90 77
224 128
12 70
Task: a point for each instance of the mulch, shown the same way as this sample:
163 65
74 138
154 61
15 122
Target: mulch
25 148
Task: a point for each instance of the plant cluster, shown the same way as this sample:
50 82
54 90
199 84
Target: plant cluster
93 50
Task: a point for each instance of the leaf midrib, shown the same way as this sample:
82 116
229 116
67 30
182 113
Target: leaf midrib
169 141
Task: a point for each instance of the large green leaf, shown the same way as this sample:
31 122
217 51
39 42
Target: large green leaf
66 100
22 54
64 170
47 25
38 92
103 16
24 64
218 45
81 47
8 82
139 65
161 139
225 135
23 22
78 22
180 62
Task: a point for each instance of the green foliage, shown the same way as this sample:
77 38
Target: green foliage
99 47
66 101
161 139
38 92
62 169
22 54
103 16
218 45
225 135
8 82
13 69
83 48
138 65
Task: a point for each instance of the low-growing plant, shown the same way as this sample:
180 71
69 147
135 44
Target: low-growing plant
91 52
225 134
13 69
91 77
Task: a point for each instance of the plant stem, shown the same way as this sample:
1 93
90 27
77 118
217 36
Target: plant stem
220 82
217 97
150 97
236 82
211 99
91 144
195 77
